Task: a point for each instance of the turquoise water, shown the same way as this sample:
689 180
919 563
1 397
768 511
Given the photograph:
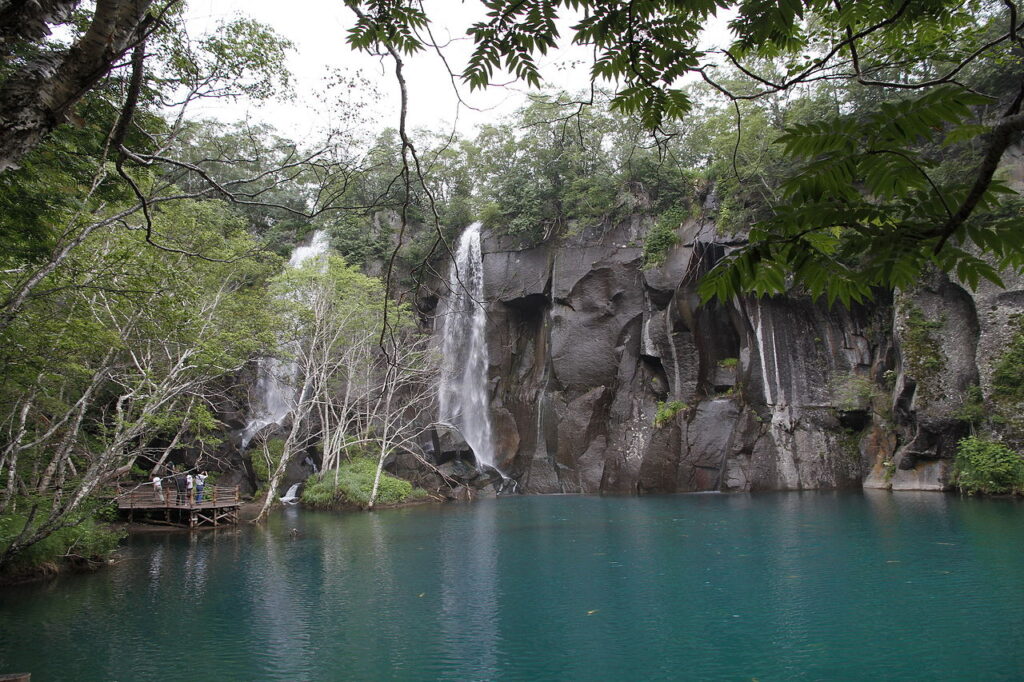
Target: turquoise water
774 587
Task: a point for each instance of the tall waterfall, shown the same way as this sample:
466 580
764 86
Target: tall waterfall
463 388
275 382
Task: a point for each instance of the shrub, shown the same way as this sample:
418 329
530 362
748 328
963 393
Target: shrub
728 363
662 237
1008 373
667 411
986 466
85 541
261 465
973 408
355 482
852 391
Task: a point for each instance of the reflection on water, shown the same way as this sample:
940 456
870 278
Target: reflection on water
469 604
774 586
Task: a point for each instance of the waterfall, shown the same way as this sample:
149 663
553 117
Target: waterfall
275 380
462 394
291 496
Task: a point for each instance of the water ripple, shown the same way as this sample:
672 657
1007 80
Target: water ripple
779 586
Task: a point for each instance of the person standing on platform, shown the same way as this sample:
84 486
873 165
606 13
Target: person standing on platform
200 482
179 485
158 489
189 483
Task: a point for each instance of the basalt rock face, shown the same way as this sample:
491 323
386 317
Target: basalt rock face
948 339
772 394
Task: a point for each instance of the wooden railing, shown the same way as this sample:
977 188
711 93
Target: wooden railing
143 496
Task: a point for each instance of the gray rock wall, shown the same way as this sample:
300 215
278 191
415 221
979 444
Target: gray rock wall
780 394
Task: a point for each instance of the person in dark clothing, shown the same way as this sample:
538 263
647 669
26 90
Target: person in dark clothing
180 486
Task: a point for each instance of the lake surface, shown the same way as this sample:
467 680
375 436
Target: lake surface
773 586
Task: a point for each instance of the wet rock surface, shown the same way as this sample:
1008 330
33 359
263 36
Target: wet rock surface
774 394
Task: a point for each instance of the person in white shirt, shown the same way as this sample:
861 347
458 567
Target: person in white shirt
200 482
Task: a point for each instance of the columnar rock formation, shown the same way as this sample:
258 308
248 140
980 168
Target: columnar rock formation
781 393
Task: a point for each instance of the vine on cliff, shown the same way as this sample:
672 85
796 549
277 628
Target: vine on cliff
662 237
1003 410
921 351
667 412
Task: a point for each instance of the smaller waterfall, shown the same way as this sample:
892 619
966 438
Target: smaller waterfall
463 391
317 247
273 391
291 497
275 382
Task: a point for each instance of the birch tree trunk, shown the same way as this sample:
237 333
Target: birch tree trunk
40 95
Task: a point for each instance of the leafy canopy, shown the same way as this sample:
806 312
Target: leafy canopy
902 177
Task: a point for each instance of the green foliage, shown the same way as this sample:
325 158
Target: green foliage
53 188
244 53
729 363
852 392
647 45
358 240
889 379
332 291
354 485
921 350
973 409
863 206
548 167
82 540
388 23
556 169
1003 410
663 236
264 461
890 469
667 412
1008 373
990 467
882 169
125 340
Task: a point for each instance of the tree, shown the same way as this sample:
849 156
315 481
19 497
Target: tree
867 199
127 342
145 153
355 388
47 79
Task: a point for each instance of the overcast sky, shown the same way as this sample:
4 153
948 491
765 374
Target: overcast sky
318 28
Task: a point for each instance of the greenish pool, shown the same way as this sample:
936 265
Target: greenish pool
774 587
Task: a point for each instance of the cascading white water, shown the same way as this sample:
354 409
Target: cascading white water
462 398
274 394
291 497
317 247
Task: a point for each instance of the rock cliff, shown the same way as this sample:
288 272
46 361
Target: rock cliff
772 394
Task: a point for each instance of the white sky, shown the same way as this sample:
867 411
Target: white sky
318 29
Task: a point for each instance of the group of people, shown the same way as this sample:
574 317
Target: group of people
187 487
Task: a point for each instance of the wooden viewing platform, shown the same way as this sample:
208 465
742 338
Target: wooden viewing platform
219 506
